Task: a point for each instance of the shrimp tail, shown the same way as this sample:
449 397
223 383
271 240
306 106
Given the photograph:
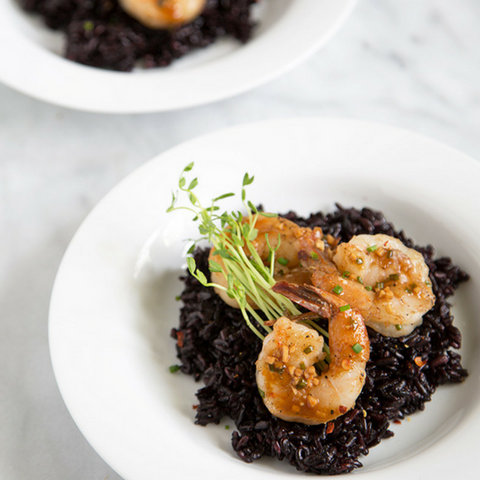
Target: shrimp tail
307 296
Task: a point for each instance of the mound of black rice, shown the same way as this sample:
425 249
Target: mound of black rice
99 33
214 343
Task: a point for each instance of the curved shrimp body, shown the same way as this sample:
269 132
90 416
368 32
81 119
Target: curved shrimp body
386 281
158 14
299 251
294 389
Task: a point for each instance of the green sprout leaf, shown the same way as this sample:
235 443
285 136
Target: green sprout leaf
191 264
247 180
214 266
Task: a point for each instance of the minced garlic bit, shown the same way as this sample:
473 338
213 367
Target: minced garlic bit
301 376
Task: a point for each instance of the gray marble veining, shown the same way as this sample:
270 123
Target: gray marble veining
406 63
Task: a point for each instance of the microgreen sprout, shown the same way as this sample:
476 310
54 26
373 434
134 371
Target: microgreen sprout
248 277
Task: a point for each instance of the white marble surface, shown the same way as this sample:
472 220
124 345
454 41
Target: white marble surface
406 63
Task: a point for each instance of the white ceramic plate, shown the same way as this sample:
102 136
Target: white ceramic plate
113 303
288 32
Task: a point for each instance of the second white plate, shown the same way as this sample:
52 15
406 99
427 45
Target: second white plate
289 31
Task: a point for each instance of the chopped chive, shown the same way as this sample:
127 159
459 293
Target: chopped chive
174 368
308 350
320 366
359 280
408 290
178 298
273 368
359 261
357 348
337 289
88 26
371 248
368 288
302 366
314 255
379 285
227 427
261 392
394 276
428 284
390 254
282 261
344 308
346 274
398 326
301 384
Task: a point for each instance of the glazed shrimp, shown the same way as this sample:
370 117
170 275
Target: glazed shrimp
386 281
299 251
158 14
291 386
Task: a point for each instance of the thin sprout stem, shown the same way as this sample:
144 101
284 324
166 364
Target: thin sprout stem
311 323
257 317
251 326
259 295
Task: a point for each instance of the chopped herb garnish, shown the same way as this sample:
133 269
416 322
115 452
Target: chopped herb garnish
346 274
178 298
301 384
344 308
275 369
368 288
314 255
357 348
379 285
398 326
390 254
88 25
282 261
371 248
308 350
227 427
320 366
337 289
261 392
174 368
359 280
428 284
359 261
394 276
302 366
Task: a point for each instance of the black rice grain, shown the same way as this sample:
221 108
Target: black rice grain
220 347
100 34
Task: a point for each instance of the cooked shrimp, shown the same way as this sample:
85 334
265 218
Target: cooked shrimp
298 254
386 281
157 14
290 384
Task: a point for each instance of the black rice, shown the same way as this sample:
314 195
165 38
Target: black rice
213 342
100 34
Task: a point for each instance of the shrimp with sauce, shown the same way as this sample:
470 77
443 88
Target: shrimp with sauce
162 14
385 280
299 251
292 387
